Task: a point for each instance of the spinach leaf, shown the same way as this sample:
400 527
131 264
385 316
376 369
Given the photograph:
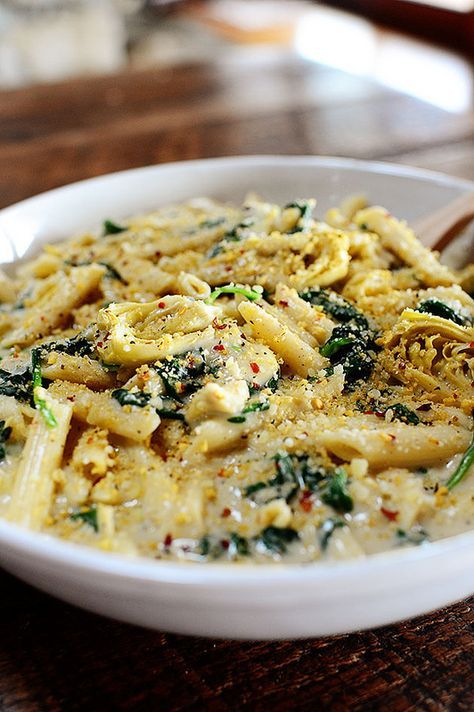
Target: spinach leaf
416 535
136 398
400 411
111 272
113 228
336 306
17 385
140 399
438 308
88 516
350 343
257 406
351 346
272 384
335 492
276 539
5 433
327 529
75 346
233 545
403 413
305 211
332 346
239 545
183 374
295 473
170 409
235 234
214 222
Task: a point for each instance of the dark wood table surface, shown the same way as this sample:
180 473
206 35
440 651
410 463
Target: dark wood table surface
55 657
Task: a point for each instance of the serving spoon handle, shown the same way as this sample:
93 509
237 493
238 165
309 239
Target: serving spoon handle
438 229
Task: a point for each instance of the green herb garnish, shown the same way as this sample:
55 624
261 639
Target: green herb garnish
463 468
231 289
40 403
236 419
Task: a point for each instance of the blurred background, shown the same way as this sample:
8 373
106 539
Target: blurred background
90 86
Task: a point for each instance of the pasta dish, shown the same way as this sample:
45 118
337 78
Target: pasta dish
239 383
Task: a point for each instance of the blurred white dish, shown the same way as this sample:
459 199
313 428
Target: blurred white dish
240 601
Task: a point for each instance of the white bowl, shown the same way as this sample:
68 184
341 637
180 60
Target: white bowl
238 601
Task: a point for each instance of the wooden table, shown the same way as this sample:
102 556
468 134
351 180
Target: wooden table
54 657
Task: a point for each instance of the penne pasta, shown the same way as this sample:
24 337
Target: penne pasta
211 382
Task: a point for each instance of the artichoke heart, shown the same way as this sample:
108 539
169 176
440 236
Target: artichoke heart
432 353
134 333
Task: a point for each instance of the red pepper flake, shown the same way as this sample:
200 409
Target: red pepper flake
99 344
305 501
392 437
225 543
225 512
256 386
168 540
229 268
216 324
255 367
218 347
221 472
161 305
283 302
471 345
390 515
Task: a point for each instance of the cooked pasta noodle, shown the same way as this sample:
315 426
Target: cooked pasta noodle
212 382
